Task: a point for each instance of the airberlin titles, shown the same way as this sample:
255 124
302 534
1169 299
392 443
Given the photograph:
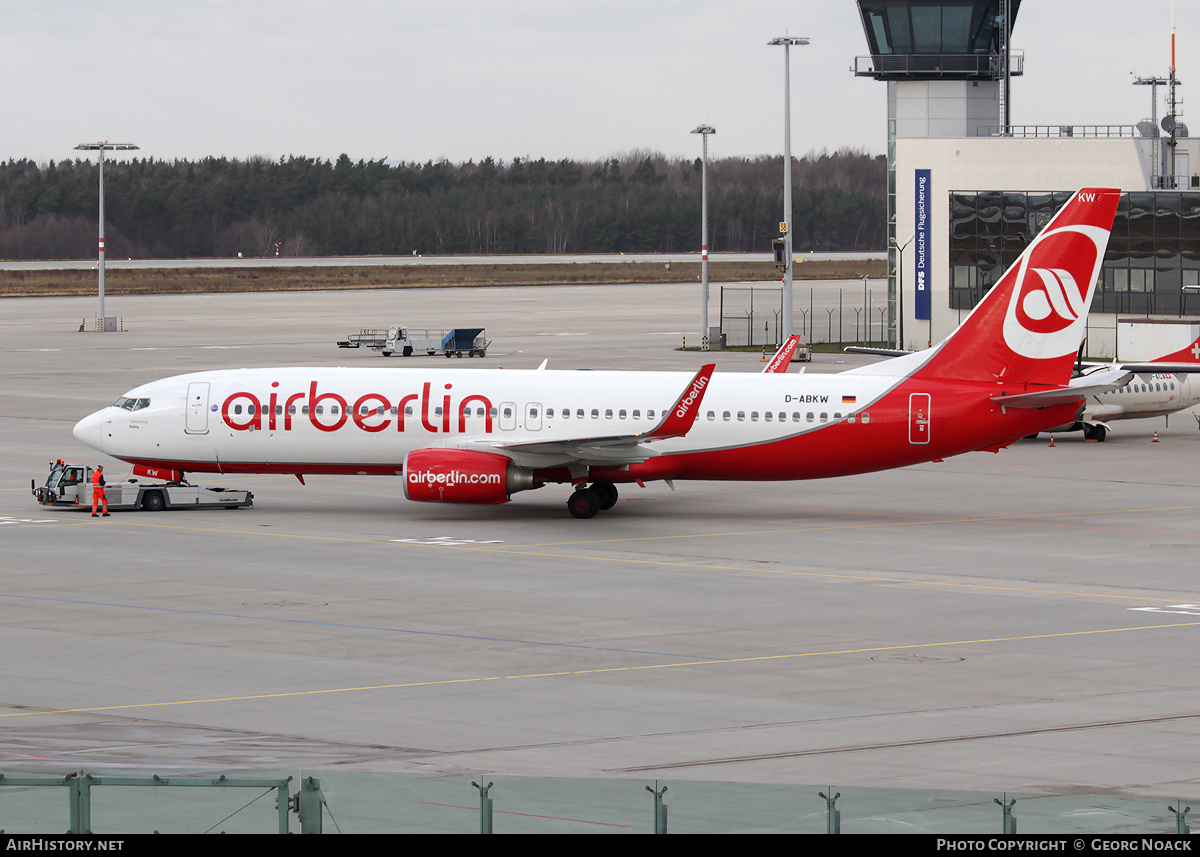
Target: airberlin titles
437 415
373 412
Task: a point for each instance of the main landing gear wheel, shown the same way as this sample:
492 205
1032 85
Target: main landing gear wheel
597 497
1096 433
607 493
583 503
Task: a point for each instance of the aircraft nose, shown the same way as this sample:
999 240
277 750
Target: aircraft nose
90 430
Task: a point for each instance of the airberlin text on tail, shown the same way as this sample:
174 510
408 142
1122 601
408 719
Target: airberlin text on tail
779 363
1028 328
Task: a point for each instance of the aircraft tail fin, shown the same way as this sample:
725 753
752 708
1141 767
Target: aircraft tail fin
1030 325
779 363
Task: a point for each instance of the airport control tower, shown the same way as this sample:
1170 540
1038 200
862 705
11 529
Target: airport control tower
969 187
947 65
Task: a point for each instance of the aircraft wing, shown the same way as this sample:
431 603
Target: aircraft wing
608 449
1079 389
1146 368
1161 368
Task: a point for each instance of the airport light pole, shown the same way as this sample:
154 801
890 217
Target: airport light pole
900 248
704 131
787 42
101 147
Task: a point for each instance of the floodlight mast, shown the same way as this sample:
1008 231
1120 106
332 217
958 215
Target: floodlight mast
101 147
704 131
787 42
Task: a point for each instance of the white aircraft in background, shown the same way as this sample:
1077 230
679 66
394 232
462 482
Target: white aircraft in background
479 436
1156 390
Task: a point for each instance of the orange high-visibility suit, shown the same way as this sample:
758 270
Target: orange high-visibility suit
98 492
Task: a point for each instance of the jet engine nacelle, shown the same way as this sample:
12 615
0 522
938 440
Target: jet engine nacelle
462 476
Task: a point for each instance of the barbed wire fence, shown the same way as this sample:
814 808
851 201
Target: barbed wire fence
753 315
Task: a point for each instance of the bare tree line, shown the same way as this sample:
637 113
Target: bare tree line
633 202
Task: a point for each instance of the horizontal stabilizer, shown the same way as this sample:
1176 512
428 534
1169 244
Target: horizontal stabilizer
1078 390
876 352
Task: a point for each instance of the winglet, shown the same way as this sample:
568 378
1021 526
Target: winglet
683 413
779 363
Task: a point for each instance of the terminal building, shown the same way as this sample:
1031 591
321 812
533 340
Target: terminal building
968 190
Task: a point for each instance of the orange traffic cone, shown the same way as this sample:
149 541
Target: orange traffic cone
1052 441
1155 437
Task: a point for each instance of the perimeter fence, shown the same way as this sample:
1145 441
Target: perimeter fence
752 315
338 801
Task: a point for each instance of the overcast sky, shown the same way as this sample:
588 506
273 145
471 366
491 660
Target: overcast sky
413 81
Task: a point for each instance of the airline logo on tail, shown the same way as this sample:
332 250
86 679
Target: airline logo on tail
1055 281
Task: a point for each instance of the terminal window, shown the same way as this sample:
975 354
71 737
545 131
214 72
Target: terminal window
1154 250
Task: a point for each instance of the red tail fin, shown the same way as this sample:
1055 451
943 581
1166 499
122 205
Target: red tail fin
1030 325
779 363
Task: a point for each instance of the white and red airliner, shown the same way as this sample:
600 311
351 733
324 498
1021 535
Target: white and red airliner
479 436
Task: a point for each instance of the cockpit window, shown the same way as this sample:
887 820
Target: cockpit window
131 404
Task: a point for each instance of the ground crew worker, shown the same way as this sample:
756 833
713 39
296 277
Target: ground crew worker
98 491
